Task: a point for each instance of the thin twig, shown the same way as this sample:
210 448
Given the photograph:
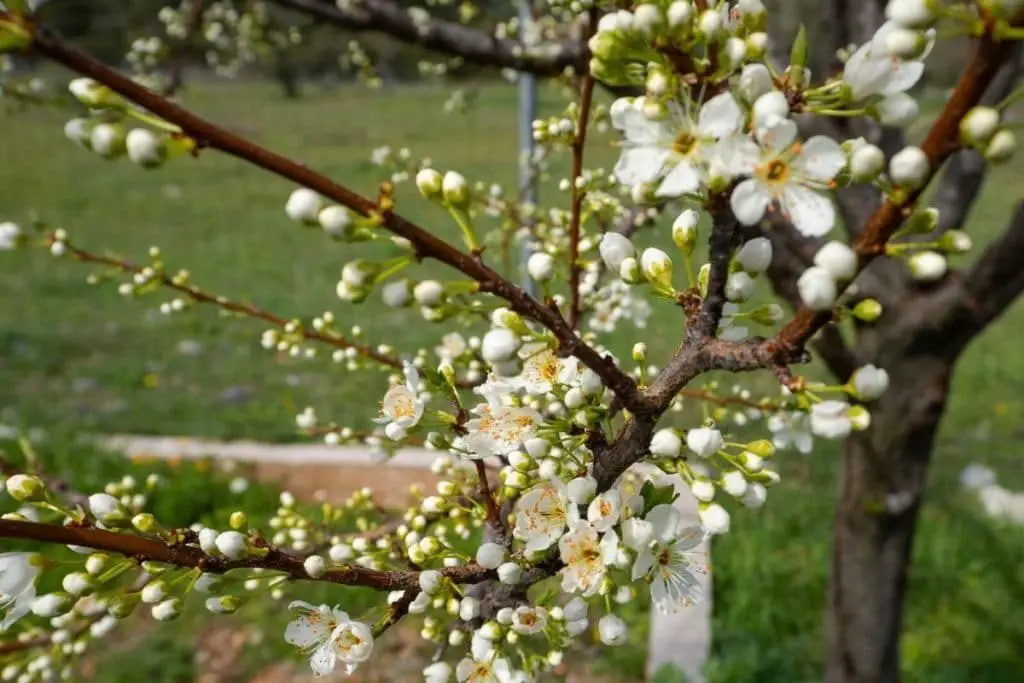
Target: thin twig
579 143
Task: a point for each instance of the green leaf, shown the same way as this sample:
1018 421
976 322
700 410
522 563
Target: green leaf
798 53
655 496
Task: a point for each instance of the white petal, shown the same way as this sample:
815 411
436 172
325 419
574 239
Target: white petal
323 660
690 537
903 77
683 179
810 212
898 109
640 164
720 116
665 520
737 155
304 632
777 134
821 159
643 564
749 201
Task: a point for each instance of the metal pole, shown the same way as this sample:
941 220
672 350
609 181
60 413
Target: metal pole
527 114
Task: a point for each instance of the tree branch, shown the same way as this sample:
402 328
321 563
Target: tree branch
724 234
941 142
147 548
445 37
996 278
210 135
579 143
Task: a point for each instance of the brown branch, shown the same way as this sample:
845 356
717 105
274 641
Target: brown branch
494 519
199 296
148 548
721 243
996 278
427 245
579 143
941 142
445 37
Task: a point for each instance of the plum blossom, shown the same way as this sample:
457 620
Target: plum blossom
786 171
402 405
669 566
543 514
872 72
498 429
831 419
540 369
581 551
791 429
328 636
18 573
486 669
451 347
677 149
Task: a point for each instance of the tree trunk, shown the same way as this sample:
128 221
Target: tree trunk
883 476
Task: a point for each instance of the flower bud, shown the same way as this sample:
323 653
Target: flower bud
928 266
713 518
761 447
428 293
154 592
490 555
629 271
430 183
755 496
612 630
499 345
26 488
956 242
679 14
107 140
232 544
1001 148
666 443
904 43
94 95
335 220
869 382
304 206
469 608
510 573
755 255
615 249
866 163
684 230
145 148
734 483
739 287
581 490
867 310
77 583
639 352
817 289
703 489
315 566
540 266
167 610
144 522
909 167
657 267
223 604
51 605
757 43
914 14
755 81
709 23
898 110
735 51
455 190
769 106
704 441
647 19
838 259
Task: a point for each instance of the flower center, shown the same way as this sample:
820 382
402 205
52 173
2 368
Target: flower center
775 172
685 144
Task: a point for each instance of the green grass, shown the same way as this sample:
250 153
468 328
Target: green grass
79 358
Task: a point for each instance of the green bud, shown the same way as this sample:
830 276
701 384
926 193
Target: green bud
867 310
144 522
238 520
123 604
703 275
921 222
956 242
1001 148
767 315
761 447
26 488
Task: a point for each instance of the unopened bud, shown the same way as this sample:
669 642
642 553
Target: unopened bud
867 310
1001 148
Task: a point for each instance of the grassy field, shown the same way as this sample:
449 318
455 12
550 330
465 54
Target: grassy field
76 358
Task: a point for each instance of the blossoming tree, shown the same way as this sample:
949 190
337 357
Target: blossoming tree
560 454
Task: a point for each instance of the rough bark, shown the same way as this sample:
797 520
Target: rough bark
883 476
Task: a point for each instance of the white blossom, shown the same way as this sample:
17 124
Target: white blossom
831 419
669 566
784 170
612 630
402 405
542 515
18 574
585 567
603 511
